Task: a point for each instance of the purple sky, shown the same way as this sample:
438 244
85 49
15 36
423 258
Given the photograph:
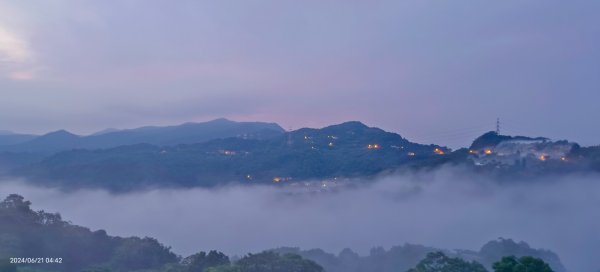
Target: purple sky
433 71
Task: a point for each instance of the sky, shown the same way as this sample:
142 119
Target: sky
432 71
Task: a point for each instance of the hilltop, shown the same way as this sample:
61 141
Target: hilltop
223 152
346 150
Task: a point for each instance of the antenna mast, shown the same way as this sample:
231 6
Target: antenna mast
498 126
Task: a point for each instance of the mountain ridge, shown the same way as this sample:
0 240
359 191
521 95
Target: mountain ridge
345 150
341 151
62 140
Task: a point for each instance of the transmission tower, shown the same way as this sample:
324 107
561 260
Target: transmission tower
498 126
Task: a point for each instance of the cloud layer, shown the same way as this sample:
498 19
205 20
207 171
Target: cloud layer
444 209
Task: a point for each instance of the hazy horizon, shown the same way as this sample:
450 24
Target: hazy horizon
465 136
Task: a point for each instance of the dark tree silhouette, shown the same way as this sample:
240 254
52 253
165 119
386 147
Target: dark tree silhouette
523 264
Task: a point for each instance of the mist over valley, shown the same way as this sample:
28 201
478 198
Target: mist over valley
448 208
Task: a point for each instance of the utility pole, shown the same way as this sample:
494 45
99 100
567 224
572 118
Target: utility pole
498 126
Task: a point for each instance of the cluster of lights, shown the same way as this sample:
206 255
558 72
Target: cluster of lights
228 152
438 151
373 146
280 179
489 151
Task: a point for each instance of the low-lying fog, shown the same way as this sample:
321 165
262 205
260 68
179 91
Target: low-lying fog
444 209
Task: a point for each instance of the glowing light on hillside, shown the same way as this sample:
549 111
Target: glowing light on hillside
543 158
277 179
412 154
330 144
563 158
488 152
373 146
438 151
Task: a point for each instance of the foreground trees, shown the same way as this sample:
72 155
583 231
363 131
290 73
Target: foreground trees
439 262
202 261
6 266
523 264
24 232
272 262
28 233
266 261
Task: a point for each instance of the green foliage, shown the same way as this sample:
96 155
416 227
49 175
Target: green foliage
269 261
224 268
201 261
96 269
523 264
397 258
24 232
495 250
405 257
136 253
6 266
439 262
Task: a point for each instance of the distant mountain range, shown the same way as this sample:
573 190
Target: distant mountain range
222 151
187 133
8 138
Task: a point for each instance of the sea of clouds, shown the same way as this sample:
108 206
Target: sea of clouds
445 208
